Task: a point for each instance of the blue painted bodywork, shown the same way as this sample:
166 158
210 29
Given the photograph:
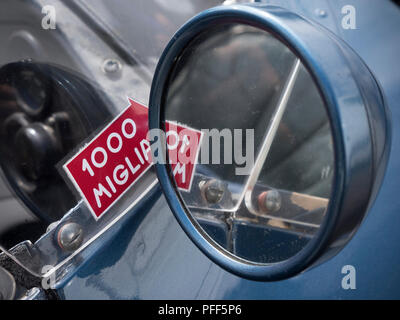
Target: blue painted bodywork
148 256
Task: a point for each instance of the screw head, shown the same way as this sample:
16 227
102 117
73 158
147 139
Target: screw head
270 201
321 13
111 66
70 236
213 191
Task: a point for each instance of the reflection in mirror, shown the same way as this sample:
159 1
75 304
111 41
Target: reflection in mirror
263 178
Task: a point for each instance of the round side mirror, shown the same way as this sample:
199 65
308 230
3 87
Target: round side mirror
291 144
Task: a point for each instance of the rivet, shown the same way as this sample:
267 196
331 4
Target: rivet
111 66
270 201
70 236
213 191
321 13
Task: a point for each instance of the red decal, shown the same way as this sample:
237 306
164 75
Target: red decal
120 154
113 161
183 145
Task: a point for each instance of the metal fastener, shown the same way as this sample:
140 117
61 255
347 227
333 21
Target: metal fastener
321 13
270 201
213 191
70 236
112 66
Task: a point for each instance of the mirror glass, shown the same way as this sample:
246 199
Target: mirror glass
263 177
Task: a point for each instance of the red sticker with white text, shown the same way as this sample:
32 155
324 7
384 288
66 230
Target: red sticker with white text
106 167
183 147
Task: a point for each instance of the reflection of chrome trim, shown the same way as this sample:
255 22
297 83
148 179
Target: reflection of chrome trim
312 206
269 137
291 221
286 220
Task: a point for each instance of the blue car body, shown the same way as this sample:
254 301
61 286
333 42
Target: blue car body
148 256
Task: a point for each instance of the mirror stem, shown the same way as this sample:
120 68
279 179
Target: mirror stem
269 138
